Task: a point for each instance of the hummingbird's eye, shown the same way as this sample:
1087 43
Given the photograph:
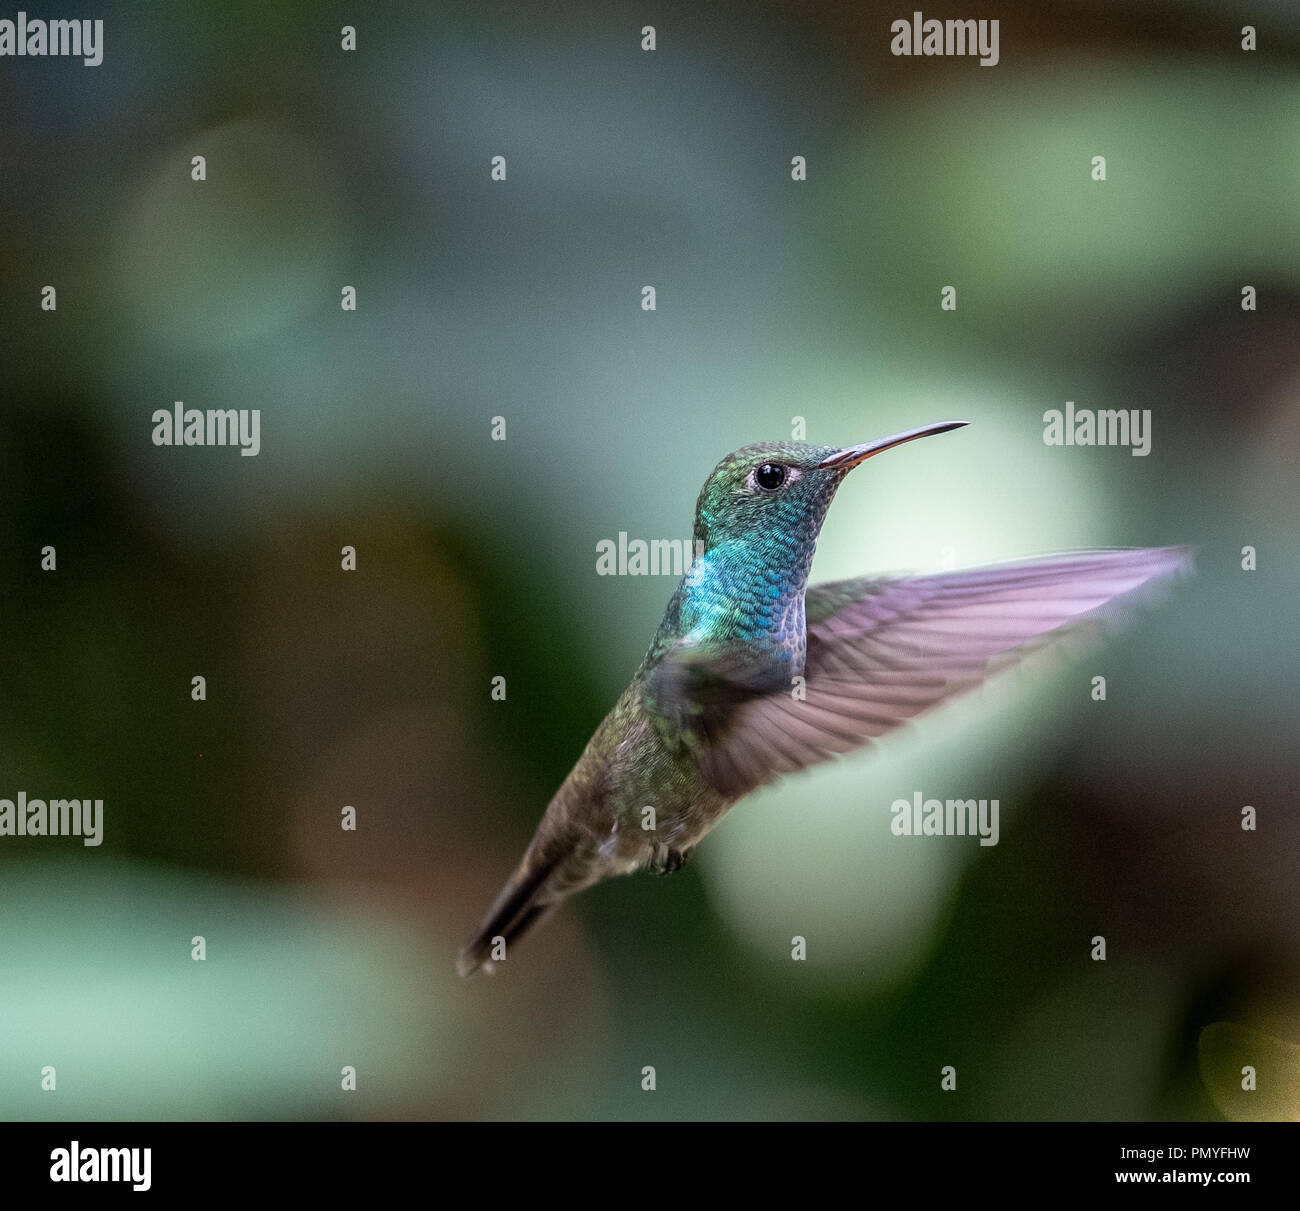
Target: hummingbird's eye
770 476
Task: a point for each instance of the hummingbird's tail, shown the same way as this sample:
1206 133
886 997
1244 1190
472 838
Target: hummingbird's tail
519 907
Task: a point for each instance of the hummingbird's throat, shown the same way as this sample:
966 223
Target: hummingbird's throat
750 610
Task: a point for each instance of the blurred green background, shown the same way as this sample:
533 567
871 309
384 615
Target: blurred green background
776 299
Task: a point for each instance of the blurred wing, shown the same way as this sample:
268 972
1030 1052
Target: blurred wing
696 687
883 650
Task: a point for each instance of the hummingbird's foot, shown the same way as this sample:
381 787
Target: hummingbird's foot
666 859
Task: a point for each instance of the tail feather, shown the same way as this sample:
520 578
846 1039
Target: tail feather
514 911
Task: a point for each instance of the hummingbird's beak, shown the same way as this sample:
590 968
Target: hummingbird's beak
850 456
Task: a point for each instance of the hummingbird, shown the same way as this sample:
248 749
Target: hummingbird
754 674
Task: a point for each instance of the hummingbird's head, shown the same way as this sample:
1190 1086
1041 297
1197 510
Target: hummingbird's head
775 494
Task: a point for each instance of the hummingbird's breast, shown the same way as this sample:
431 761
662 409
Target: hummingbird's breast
738 623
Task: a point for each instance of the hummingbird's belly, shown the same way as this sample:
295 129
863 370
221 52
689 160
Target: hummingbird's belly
656 798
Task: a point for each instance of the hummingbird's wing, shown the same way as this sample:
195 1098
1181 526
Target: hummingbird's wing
882 650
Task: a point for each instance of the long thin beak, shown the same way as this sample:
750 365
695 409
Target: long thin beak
850 456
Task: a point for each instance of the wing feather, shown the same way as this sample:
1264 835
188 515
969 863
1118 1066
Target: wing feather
882 650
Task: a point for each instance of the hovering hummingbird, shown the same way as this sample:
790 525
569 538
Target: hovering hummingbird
753 673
